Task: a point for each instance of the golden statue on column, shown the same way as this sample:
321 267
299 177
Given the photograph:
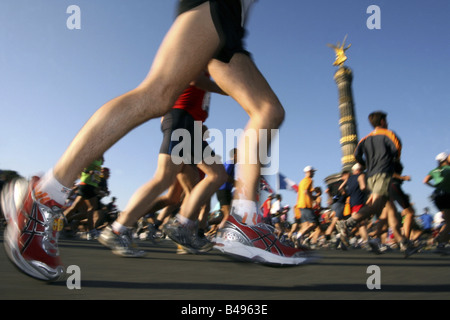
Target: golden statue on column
340 52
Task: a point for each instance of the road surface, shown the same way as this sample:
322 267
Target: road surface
164 275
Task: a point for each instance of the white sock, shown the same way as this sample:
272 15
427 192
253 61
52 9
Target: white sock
118 228
186 221
245 211
55 190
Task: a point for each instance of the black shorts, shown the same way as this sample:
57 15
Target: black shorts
227 18
181 119
87 191
397 195
441 200
224 196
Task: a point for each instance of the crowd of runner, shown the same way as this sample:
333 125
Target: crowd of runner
86 214
204 52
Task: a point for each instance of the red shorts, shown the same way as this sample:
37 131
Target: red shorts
356 208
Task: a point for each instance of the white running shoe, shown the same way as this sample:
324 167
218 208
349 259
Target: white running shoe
34 222
259 244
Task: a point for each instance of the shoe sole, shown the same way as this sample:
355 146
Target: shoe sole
34 269
187 249
244 252
104 241
413 251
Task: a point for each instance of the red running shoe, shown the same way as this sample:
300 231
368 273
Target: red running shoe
258 243
33 225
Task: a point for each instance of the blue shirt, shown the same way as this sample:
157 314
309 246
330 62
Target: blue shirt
229 168
427 221
357 197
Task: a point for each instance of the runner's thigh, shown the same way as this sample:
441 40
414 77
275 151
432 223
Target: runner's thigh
241 79
184 53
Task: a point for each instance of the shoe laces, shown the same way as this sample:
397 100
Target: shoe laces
53 224
125 239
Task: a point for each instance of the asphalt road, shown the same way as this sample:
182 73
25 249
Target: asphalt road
164 275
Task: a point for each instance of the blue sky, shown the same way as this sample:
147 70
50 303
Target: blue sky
52 79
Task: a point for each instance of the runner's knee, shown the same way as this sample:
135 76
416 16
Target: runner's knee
278 115
218 177
157 98
272 115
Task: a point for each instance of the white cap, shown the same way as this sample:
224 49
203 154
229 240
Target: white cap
442 157
309 168
357 166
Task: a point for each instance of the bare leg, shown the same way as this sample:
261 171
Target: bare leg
226 213
183 55
203 217
92 205
203 191
142 200
186 181
242 80
293 229
72 210
408 213
363 231
331 227
393 222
